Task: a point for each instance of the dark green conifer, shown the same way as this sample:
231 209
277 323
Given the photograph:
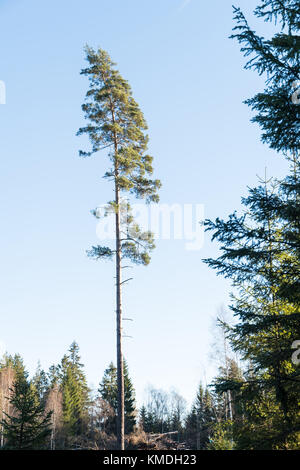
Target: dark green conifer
108 390
260 248
40 382
278 58
28 427
75 392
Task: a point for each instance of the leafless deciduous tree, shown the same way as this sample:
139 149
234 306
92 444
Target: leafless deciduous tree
54 403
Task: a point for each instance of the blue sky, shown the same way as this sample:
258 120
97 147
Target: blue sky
189 80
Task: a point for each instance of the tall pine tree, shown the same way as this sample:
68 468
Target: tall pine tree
117 124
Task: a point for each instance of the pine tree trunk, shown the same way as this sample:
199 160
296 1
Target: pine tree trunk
120 365
120 371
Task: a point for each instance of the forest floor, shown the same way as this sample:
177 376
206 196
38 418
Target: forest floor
164 441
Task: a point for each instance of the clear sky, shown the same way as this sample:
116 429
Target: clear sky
189 80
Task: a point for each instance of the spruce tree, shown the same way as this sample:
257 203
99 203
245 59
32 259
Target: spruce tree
278 59
117 125
11 367
192 428
260 248
53 375
287 209
143 418
200 421
14 362
28 426
40 381
129 401
108 390
75 392
148 420
177 413
255 249
158 410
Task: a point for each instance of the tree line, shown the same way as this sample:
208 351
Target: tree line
57 410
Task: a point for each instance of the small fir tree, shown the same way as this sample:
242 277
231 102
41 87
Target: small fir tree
28 427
